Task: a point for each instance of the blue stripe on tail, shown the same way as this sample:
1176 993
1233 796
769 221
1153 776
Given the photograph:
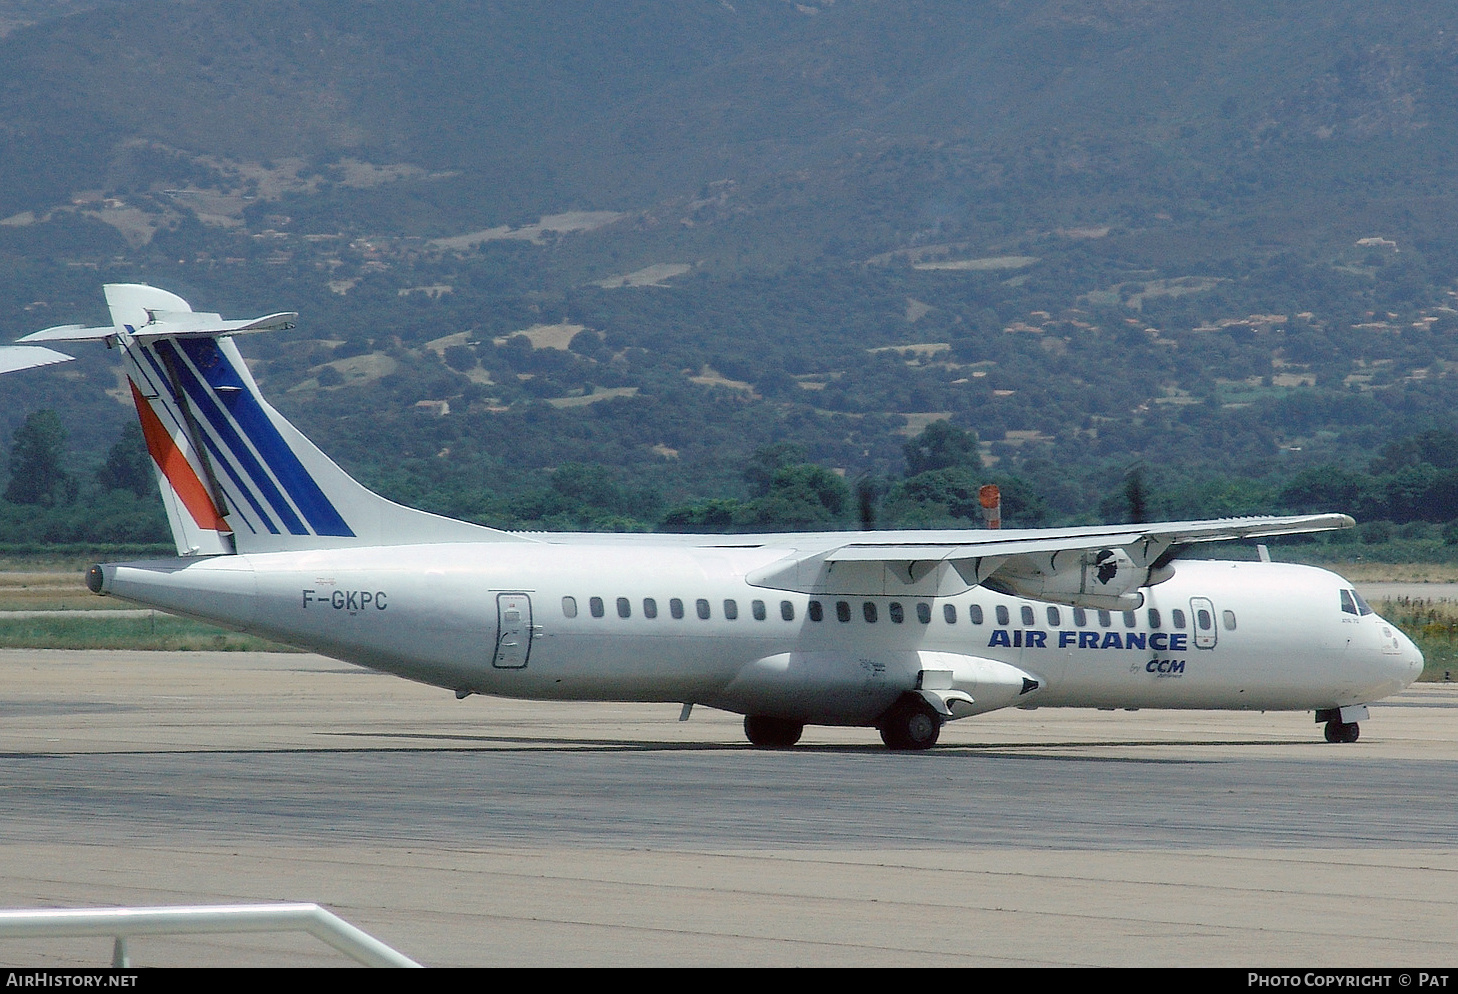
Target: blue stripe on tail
258 428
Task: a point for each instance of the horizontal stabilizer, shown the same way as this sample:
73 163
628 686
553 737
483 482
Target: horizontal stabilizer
170 324
69 333
186 324
14 358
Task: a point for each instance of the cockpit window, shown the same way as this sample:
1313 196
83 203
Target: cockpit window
1349 606
1363 608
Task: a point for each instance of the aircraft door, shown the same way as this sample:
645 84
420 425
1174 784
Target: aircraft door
513 631
1202 613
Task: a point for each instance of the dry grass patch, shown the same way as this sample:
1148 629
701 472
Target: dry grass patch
545 336
598 394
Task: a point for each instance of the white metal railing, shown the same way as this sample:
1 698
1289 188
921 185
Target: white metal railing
121 923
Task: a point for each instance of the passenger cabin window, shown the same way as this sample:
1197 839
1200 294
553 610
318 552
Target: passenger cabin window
923 613
1029 619
842 611
595 606
868 611
816 612
897 612
1002 615
731 610
949 613
702 606
675 608
787 610
974 613
756 608
1204 620
650 607
1054 618
625 609
1229 617
1153 617
1178 618
1106 620
1080 617
569 607
1129 620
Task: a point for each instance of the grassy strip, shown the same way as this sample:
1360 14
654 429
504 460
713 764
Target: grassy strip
36 556
1433 627
158 631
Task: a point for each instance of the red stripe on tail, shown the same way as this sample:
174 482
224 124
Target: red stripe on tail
176 468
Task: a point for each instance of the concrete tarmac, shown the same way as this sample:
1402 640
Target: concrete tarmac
492 833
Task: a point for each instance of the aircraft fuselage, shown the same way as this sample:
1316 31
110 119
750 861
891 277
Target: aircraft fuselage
684 624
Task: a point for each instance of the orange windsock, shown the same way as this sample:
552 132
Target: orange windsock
991 500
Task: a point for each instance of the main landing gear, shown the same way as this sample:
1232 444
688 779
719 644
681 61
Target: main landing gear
772 733
1342 731
911 724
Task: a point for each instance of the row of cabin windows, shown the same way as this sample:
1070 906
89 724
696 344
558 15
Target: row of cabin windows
815 611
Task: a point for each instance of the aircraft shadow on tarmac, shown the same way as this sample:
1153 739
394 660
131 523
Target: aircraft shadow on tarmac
510 743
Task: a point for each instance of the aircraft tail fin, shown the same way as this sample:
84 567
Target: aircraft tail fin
235 475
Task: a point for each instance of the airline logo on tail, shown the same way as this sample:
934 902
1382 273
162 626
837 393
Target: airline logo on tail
264 481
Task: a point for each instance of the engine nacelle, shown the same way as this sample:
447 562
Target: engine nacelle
1104 579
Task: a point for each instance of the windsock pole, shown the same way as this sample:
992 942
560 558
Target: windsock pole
991 500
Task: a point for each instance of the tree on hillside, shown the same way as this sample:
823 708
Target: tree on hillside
36 476
942 445
128 466
760 470
803 496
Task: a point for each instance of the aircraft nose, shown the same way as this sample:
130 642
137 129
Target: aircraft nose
1409 660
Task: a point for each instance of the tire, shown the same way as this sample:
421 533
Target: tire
1338 731
911 725
772 733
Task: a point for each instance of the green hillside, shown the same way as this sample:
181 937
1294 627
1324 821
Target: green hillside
628 245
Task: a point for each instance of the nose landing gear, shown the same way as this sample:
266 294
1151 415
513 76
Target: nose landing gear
1341 723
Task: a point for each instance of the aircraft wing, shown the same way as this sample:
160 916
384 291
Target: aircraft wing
891 546
1101 566
14 358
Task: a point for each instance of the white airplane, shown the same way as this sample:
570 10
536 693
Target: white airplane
897 630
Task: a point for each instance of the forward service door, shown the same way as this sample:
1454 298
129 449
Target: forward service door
1202 616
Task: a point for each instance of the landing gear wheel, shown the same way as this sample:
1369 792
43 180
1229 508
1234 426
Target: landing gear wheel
772 733
911 724
1342 731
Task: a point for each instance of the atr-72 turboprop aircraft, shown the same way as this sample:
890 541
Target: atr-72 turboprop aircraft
897 630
